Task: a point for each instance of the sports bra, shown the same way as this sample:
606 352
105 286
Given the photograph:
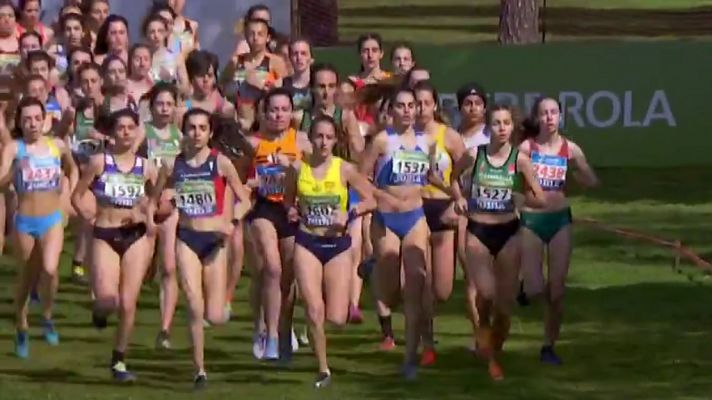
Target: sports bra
550 169
400 166
200 191
319 199
269 172
38 173
117 188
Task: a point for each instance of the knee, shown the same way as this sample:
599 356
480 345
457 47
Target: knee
106 304
127 305
315 314
443 294
215 316
337 318
272 270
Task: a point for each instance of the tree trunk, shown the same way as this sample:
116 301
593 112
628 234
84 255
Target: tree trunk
319 21
519 22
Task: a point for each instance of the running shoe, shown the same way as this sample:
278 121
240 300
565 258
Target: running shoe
22 344
99 321
206 323
365 268
304 337
163 341
323 379
548 356
428 357
388 343
227 312
409 371
79 275
50 333
34 296
200 381
495 370
271 352
259 341
522 298
121 374
355 315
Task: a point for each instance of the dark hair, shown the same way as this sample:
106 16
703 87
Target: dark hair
516 137
161 5
114 117
27 34
531 124
198 63
427 86
228 138
393 97
197 111
470 89
21 4
133 51
88 4
320 67
40 55
33 78
252 21
9 3
162 87
70 17
257 7
151 19
369 36
25 102
402 45
341 147
280 91
91 66
406 78
108 60
102 42
299 40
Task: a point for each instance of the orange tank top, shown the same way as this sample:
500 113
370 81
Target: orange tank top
269 173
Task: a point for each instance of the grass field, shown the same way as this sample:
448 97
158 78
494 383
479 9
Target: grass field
635 329
466 21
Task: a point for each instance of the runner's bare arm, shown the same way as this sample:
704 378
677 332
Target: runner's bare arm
372 152
94 168
454 144
290 184
524 165
357 143
363 187
304 144
6 158
583 174
68 164
227 169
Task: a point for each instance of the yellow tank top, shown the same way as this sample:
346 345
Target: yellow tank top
443 161
319 199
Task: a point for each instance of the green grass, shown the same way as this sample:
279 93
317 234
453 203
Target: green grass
467 21
635 329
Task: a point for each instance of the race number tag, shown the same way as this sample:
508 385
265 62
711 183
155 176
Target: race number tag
271 180
124 190
196 198
319 211
409 167
492 199
550 170
40 177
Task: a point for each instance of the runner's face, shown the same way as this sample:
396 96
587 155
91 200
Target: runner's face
279 113
116 73
156 34
99 11
31 13
300 56
31 122
257 36
90 82
141 62
323 138
197 130
125 132
473 109
118 36
28 44
325 87
402 60
7 19
205 83
404 109
371 54
73 32
79 58
163 107
549 116
426 106
40 68
37 89
501 125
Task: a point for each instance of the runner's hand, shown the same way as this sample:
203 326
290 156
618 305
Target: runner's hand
461 206
339 219
293 214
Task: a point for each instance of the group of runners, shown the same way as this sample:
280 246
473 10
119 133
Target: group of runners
158 159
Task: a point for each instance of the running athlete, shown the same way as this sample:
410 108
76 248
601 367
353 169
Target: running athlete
300 56
30 13
202 67
35 164
402 58
72 35
163 143
550 228
184 31
167 65
120 248
437 204
322 254
139 71
199 176
275 149
493 174
402 158
112 39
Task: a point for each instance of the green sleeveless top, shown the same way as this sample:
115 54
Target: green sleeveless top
308 118
492 187
160 149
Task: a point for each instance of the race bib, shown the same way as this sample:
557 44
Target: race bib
124 190
491 199
271 180
196 198
550 170
409 168
318 211
41 177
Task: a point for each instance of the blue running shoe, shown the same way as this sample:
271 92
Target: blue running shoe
22 344
548 356
409 371
271 349
121 373
50 333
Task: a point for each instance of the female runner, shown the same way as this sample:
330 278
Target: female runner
402 158
300 56
120 248
72 35
202 68
402 58
167 65
322 256
437 204
492 173
550 228
36 163
199 176
139 71
184 32
112 39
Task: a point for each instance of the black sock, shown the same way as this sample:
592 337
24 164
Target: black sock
76 263
116 356
386 328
